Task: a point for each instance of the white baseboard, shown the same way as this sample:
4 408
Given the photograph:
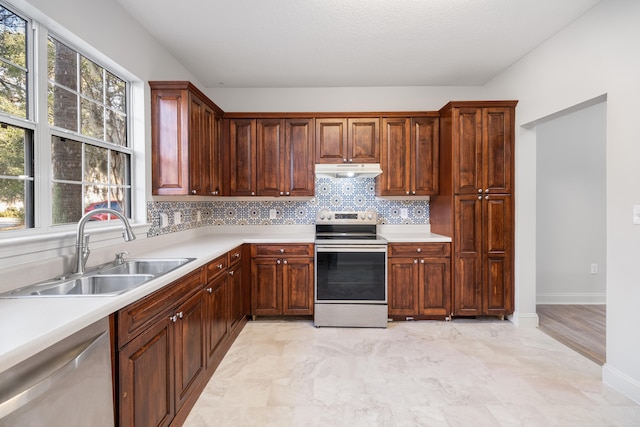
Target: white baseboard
524 320
571 298
621 383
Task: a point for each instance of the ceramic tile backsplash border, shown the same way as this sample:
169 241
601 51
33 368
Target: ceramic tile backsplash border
343 194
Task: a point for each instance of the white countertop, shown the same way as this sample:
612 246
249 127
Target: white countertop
30 325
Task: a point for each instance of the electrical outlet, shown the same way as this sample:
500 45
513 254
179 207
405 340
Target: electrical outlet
177 218
273 214
198 216
636 214
404 213
164 220
594 268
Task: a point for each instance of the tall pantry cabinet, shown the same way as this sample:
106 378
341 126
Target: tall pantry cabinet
475 204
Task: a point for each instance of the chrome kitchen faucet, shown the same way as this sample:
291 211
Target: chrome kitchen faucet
82 240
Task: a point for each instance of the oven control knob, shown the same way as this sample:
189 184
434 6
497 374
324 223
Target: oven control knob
322 216
329 216
370 216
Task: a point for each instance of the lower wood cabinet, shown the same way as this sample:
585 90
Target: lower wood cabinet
158 367
282 279
169 343
419 280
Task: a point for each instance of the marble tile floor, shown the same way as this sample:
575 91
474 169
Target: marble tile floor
477 373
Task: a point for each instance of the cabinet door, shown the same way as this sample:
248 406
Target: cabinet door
190 359
403 289
146 377
297 286
269 155
395 158
198 176
434 288
299 158
497 149
266 291
467 261
236 311
169 142
214 122
498 250
216 314
331 140
425 156
242 157
467 150
364 141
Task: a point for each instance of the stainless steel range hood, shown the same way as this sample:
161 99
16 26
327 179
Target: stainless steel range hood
348 170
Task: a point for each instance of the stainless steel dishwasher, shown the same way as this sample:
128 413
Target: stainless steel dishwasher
68 384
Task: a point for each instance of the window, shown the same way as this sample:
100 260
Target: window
87 100
79 141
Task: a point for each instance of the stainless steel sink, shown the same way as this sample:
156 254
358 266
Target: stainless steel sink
108 280
153 266
96 285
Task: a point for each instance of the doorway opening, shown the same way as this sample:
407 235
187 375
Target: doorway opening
571 227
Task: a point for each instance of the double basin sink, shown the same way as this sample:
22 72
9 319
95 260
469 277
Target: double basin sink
107 280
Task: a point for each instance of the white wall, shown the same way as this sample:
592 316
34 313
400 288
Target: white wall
340 99
597 54
571 207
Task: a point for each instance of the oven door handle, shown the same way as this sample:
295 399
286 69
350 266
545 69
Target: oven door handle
351 248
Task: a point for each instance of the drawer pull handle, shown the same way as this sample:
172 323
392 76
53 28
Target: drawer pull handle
210 290
220 266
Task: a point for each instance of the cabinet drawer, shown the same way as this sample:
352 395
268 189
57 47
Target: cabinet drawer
136 317
282 250
217 266
419 249
234 256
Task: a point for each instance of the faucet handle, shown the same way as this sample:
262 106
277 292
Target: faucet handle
120 257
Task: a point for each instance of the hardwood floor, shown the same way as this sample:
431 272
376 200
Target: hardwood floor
580 327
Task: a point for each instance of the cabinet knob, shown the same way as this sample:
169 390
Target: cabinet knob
194 192
287 193
415 261
214 193
413 192
210 290
479 190
281 251
479 197
236 255
419 250
344 160
253 193
486 191
284 262
220 266
173 318
486 197
282 193
277 261
231 273
408 192
421 261
350 160
180 315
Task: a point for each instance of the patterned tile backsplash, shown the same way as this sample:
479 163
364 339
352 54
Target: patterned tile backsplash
341 194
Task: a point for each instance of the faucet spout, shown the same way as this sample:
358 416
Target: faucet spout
82 241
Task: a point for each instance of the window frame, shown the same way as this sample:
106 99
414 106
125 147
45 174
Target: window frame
39 28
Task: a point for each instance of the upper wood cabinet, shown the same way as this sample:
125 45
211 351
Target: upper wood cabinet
482 149
409 157
185 140
348 140
271 157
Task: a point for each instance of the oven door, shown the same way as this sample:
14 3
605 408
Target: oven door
354 274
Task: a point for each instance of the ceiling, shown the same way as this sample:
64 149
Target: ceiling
351 43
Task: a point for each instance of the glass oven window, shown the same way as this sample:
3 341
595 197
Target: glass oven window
351 276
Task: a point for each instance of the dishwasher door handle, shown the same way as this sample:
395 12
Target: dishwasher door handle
20 396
